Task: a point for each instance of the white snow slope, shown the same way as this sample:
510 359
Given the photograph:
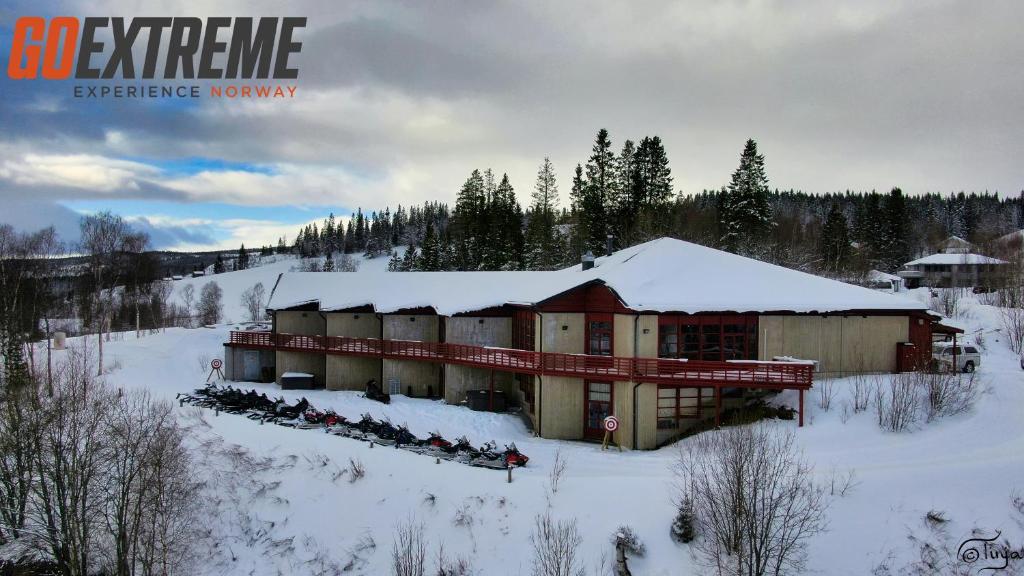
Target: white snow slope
296 513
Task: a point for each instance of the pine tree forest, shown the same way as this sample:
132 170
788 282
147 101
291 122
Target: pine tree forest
627 197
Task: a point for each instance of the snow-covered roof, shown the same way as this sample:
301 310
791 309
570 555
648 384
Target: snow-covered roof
955 259
663 275
879 276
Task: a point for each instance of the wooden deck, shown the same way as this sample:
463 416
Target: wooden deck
739 374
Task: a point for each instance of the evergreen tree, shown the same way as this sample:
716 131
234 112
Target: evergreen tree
541 243
895 246
430 257
242 262
744 211
625 201
580 232
469 222
395 263
504 247
599 191
218 265
328 263
410 260
834 246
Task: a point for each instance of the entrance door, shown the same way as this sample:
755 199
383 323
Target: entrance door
597 406
251 365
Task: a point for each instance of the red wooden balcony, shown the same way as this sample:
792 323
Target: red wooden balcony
748 374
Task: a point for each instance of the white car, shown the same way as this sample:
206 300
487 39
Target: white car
967 357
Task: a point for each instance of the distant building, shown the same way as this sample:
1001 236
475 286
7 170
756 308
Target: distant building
955 245
953 271
878 280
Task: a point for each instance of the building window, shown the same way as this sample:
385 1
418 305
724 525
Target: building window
712 338
600 338
677 404
522 330
668 341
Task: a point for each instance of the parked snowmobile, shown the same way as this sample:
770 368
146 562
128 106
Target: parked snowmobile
374 392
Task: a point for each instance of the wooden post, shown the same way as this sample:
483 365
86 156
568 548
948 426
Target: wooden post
718 406
801 394
956 368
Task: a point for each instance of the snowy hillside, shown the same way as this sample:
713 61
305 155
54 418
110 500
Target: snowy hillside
282 503
265 270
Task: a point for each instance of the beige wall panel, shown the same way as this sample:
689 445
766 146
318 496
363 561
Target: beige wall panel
479 331
352 372
459 379
647 417
842 345
831 357
568 341
310 363
423 377
309 323
562 408
423 328
361 325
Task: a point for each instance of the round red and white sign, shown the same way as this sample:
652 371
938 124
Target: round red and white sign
216 363
611 423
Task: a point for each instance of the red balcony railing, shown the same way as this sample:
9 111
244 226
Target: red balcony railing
657 370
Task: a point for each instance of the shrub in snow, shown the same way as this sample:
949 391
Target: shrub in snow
912 396
446 566
409 550
861 393
896 404
826 391
682 525
755 502
556 547
626 538
557 469
356 470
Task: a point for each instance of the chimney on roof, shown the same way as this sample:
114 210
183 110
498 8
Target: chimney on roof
588 260
608 246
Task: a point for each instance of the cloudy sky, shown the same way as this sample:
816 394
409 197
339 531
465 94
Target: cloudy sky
398 102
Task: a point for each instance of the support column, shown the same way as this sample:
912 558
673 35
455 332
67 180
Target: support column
490 400
801 393
718 406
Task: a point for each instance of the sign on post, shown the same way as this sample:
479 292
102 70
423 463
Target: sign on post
611 424
215 366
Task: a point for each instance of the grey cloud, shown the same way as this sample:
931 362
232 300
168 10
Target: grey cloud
922 95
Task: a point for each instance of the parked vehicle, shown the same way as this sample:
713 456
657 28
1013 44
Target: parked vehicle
967 357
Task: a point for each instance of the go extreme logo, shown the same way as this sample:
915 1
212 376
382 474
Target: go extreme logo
235 51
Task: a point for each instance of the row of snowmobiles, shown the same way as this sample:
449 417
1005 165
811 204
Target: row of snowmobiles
303 415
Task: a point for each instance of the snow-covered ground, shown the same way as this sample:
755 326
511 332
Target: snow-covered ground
297 512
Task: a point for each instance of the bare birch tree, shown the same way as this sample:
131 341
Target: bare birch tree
754 500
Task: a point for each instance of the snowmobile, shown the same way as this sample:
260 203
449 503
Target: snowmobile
374 392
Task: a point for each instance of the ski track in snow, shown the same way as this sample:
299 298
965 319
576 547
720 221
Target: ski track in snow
967 466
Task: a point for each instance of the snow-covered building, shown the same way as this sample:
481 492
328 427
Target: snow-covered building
955 245
663 335
953 270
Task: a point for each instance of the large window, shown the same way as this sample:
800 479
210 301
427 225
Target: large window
676 404
522 330
707 337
